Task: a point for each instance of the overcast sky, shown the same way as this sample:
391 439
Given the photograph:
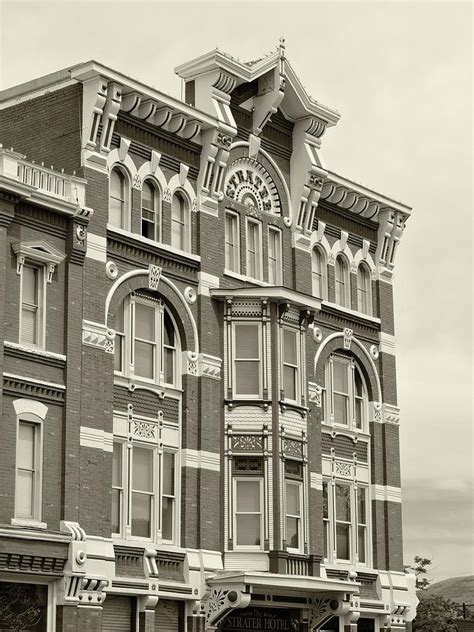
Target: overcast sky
400 73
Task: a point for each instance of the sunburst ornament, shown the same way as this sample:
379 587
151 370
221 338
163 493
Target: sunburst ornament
249 183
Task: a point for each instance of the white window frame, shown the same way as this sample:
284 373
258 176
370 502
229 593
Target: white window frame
277 236
323 279
234 265
246 478
122 489
354 524
157 209
126 506
299 484
367 290
186 223
34 413
344 298
258 250
258 360
128 345
297 367
126 194
40 332
351 367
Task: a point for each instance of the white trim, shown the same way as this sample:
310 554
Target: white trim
247 279
25 522
96 247
31 406
387 343
352 312
316 480
34 350
207 281
30 379
386 493
200 459
95 438
24 534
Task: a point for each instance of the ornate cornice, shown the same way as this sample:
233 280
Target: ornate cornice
36 389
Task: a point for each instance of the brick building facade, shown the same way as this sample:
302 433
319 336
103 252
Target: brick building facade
199 410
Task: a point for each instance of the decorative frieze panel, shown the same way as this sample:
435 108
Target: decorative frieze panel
154 275
210 366
249 183
98 335
247 443
391 414
292 448
34 389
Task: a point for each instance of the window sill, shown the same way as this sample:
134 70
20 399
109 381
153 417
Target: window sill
351 312
344 430
35 350
141 241
132 384
246 279
287 405
26 522
140 542
235 403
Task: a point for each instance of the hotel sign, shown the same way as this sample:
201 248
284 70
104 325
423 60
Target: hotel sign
264 619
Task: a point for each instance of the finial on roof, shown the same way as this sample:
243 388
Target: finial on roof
282 44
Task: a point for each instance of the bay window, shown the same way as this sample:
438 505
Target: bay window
247 354
274 256
232 240
144 504
346 398
290 361
146 341
254 249
248 503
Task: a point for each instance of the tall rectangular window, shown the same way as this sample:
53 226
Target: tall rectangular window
362 524
149 211
248 512
145 341
247 360
290 364
142 492
326 522
28 471
30 305
119 350
168 500
340 391
274 256
117 487
232 239
254 249
179 222
343 521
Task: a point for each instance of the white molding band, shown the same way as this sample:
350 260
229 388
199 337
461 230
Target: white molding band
201 459
95 438
316 480
386 493
24 378
206 282
387 343
210 366
98 335
96 247
34 350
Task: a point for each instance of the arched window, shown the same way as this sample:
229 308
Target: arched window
146 341
346 401
179 222
150 211
118 199
318 273
363 289
342 281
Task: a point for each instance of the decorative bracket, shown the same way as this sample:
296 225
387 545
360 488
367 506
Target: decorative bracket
220 602
324 607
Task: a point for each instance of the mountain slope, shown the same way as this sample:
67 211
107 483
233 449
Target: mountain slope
458 589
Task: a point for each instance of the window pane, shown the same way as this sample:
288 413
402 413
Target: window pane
30 285
292 499
248 496
326 538
248 530
342 541
169 330
340 376
325 501
361 505
148 196
168 473
343 503
169 366
116 213
290 347
340 409
289 382
117 184
362 544
29 325
24 494
358 383
117 465
246 341
26 446
167 518
142 469
118 352
292 539
145 322
115 511
177 235
144 359
247 378
141 515
358 413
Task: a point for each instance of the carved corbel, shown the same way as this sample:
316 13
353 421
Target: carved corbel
220 602
93 101
391 226
214 157
324 607
109 115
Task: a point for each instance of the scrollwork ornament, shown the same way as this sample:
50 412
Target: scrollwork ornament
190 295
111 270
81 233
